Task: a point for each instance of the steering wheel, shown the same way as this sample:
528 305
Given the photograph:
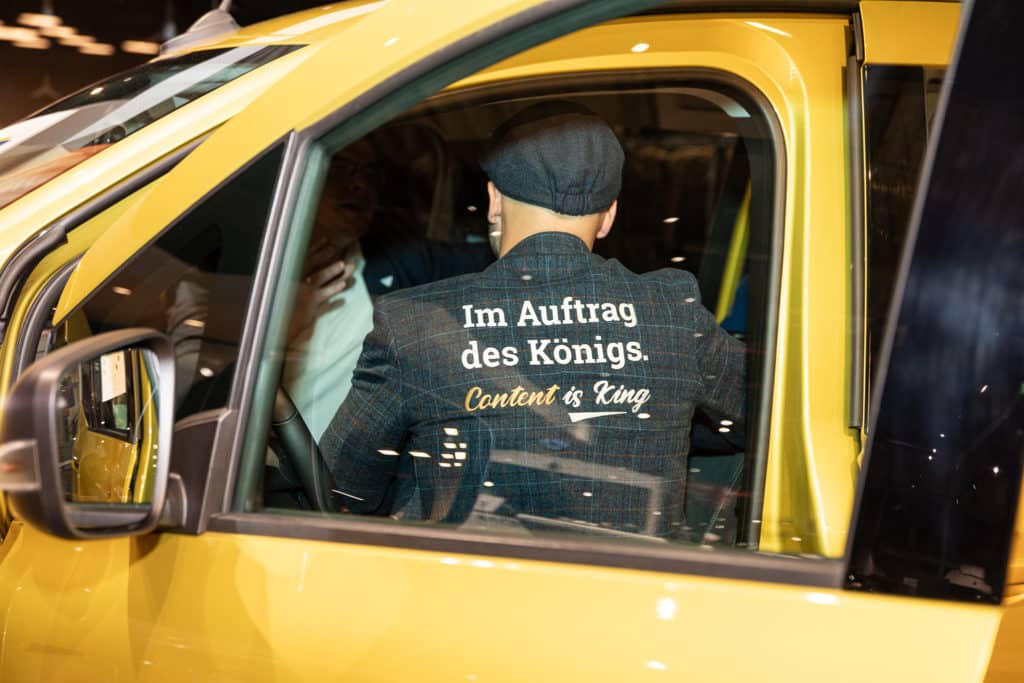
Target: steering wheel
300 449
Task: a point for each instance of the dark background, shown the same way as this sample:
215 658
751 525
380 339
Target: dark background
32 78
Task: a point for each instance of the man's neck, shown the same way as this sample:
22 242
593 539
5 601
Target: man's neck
520 221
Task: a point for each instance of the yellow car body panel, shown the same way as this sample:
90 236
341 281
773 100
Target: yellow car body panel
305 27
1015 570
105 467
145 474
913 33
226 607
734 262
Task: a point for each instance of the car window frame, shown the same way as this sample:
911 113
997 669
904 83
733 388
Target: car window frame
305 182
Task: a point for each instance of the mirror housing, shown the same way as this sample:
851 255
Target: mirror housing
30 433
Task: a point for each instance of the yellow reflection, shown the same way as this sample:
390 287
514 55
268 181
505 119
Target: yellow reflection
770 29
666 608
822 598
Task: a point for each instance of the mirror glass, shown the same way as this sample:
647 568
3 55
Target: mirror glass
107 428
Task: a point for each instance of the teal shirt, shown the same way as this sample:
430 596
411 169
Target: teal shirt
320 360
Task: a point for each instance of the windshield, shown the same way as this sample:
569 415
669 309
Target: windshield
71 130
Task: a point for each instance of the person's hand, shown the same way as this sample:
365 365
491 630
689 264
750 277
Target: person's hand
323 284
316 291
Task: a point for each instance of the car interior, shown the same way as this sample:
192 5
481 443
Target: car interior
697 195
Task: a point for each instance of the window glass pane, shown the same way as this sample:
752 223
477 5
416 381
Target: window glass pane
73 129
552 391
192 283
899 103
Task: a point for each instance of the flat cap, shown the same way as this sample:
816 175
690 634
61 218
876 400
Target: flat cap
559 156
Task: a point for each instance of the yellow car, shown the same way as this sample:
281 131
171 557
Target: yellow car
180 521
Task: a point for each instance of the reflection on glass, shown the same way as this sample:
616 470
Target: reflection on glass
107 428
82 124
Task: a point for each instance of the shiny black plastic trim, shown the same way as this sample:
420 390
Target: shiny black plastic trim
855 115
241 473
199 450
936 506
39 314
730 564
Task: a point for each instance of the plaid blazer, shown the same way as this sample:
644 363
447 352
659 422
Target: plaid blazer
555 386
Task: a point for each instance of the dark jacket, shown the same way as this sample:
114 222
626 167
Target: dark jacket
398 256
555 385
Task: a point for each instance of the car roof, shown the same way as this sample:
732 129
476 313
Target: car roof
299 28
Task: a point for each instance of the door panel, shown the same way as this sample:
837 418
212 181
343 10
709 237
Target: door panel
248 608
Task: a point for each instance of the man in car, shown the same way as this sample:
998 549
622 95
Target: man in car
358 250
555 386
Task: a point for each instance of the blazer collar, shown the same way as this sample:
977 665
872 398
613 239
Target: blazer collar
544 257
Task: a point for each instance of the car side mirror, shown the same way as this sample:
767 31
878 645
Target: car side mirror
85 438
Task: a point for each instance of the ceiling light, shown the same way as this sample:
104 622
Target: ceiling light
38 20
17 34
101 49
76 40
140 47
33 44
57 31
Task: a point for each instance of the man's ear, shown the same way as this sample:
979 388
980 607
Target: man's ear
607 219
494 203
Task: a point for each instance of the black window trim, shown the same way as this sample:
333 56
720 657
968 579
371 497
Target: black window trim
858 225
38 317
739 564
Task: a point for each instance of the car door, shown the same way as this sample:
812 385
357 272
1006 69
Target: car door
238 589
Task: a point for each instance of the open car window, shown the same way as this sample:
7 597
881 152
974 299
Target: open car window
698 196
